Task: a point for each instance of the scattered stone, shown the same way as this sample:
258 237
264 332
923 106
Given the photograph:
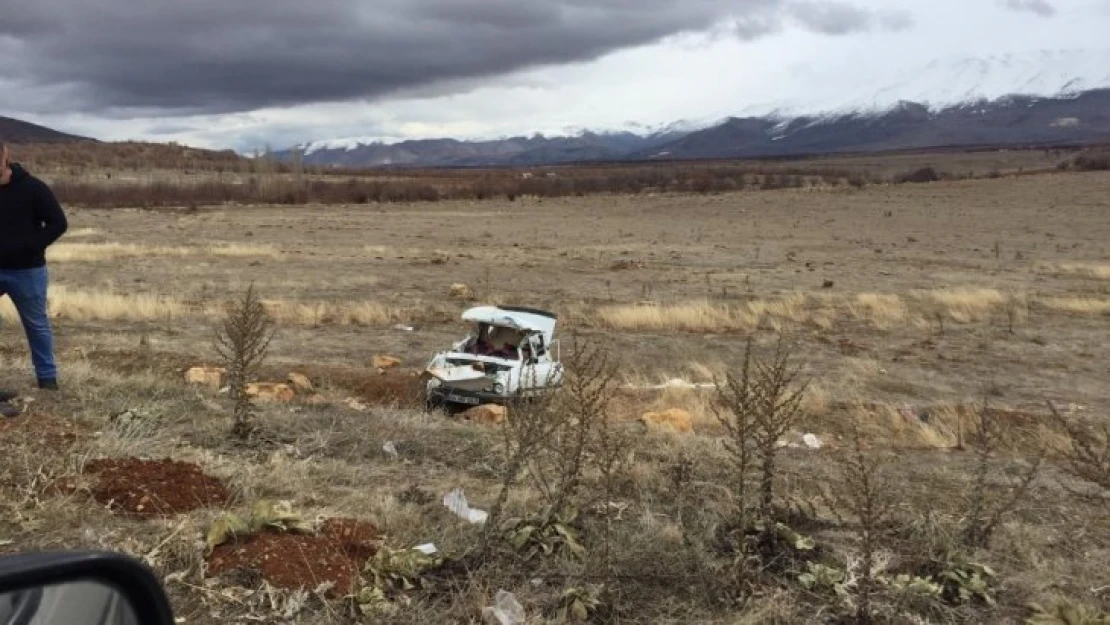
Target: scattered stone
487 414
386 362
300 383
462 291
355 404
212 377
316 399
674 419
266 392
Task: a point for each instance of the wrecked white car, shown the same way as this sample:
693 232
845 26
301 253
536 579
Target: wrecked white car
512 352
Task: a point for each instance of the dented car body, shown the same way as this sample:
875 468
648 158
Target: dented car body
511 352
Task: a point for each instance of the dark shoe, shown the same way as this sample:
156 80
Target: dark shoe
6 396
49 385
7 411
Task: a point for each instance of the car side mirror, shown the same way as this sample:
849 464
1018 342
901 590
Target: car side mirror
80 588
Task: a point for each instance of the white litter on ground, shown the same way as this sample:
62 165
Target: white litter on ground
506 610
456 502
672 383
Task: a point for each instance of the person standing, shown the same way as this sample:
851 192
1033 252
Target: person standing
31 220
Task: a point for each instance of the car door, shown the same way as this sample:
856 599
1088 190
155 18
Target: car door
537 365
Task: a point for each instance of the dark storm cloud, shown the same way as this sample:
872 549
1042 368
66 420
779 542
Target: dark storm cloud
170 129
1040 7
221 56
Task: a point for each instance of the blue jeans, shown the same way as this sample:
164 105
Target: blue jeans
27 288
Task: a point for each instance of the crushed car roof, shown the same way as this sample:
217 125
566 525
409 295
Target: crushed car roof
516 317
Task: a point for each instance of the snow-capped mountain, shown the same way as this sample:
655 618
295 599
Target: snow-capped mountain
943 83
1046 97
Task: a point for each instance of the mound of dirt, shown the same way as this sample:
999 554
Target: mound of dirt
393 388
148 488
335 554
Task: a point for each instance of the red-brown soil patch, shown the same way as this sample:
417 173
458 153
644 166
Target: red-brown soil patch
40 431
33 441
399 387
336 554
148 488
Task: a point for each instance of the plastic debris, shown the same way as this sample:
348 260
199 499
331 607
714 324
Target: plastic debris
426 549
673 383
506 610
456 502
812 441
908 414
390 448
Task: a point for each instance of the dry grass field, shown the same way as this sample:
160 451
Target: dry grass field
908 306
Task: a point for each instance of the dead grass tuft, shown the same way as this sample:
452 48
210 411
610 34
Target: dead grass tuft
80 305
1100 271
1078 305
691 317
968 304
363 313
80 233
704 315
883 310
98 252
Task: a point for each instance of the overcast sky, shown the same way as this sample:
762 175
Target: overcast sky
238 74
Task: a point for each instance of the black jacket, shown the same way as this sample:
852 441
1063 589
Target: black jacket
30 221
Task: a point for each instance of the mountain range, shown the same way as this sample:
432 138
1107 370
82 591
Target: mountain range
1072 119
1047 98
1041 97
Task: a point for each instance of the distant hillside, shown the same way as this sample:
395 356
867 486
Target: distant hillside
1012 121
1066 119
46 149
514 151
17 131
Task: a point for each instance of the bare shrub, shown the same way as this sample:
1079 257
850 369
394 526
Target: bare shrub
757 405
531 423
986 511
241 342
583 407
1092 160
866 496
924 174
759 408
1087 455
735 410
779 395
